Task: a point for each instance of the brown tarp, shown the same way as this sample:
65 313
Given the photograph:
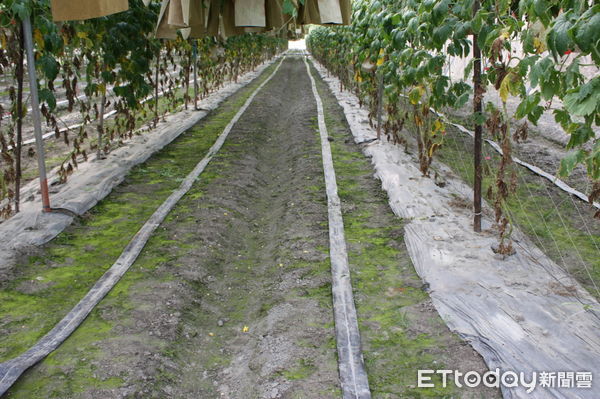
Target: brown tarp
69 10
309 13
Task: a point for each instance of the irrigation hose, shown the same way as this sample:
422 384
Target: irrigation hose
12 369
353 376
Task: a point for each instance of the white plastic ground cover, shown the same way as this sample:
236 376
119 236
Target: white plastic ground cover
353 376
523 313
95 179
12 369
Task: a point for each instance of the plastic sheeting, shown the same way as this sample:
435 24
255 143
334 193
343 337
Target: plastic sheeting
522 313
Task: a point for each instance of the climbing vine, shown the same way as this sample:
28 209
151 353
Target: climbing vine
100 68
532 50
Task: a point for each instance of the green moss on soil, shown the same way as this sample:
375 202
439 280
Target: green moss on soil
305 368
71 263
242 306
383 277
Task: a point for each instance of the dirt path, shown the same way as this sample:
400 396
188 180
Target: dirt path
232 296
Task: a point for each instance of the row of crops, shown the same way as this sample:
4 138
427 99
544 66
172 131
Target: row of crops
88 67
396 53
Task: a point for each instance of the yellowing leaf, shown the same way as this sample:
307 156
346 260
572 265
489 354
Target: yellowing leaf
540 47
82 35
432 149
418 121
504 90
39 39
415 95
381 58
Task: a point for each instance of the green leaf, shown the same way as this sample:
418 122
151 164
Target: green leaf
587 31
563 118
584 100
47 96
20 10
49 66
568 163
535 114
414 96
558 38
580 136
289 8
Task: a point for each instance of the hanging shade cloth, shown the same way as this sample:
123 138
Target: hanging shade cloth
346 7
330 12
274 14
250 13
326 12
198 18
214 14
309 12
69 10
177 16
163 29
228 18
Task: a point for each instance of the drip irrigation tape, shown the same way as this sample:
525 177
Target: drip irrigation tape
12 369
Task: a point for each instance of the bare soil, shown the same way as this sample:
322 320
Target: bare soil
232 296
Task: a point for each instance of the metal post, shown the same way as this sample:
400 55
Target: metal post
156 118
35 113
100 151
195 61
477 109
379 102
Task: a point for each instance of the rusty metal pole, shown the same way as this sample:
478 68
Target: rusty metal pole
380 89
195 61
477 110
35 113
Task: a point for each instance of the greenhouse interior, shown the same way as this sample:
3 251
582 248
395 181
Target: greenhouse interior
299 199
